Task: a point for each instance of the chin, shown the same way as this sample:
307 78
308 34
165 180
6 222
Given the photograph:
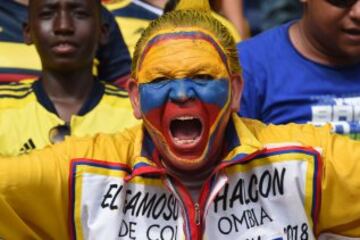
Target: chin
181 164
185 166
187 162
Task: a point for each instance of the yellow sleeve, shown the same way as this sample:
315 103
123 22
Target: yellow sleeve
35 188
34 195
340 177
340 200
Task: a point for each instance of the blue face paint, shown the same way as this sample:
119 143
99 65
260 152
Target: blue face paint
155 95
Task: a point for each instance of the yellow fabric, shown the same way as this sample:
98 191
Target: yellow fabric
131 29
34 188
340 208
195 5
115 4
19 107
10 52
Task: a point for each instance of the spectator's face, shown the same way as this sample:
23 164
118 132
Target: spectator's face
336 27
66 32
185 96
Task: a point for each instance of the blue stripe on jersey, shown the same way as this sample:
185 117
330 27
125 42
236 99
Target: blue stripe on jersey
19 71
91 102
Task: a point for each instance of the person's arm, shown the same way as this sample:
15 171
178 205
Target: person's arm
34 195
334 182
340 199
113 58
233 10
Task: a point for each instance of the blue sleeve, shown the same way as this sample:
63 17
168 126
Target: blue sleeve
114 58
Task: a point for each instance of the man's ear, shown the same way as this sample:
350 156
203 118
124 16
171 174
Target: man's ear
133 89
27 34
237 85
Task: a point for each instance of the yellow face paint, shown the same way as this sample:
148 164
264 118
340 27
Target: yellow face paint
185 106
181 55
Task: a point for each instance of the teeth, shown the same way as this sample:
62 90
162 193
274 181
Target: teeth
185 118
184 141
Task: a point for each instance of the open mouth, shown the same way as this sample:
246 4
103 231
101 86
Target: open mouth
352 31
186 130
353 34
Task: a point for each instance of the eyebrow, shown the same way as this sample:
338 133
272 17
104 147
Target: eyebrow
191 70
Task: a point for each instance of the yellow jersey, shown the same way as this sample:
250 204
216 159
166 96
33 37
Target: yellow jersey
31 121
274 182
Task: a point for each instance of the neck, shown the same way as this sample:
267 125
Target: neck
67 91
310 48
196 176
191 178
156 3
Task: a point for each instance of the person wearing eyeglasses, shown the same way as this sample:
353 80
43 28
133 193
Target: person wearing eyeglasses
67 99
306 71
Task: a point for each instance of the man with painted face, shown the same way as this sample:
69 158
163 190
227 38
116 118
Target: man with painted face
194 169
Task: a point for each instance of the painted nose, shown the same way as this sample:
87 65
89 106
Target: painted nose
181 91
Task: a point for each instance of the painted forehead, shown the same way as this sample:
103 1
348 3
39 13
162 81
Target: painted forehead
161 39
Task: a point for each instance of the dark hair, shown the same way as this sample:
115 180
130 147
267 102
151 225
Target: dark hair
170 5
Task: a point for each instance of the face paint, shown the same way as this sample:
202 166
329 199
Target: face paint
178 56
184 97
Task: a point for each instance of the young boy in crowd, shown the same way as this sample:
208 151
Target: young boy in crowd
67 99
19 61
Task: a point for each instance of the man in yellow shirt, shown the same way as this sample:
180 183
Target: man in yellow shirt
67 99
19 61
193 169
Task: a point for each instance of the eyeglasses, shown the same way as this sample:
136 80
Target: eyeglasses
58 133
342 3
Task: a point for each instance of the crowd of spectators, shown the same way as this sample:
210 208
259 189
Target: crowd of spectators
65 70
